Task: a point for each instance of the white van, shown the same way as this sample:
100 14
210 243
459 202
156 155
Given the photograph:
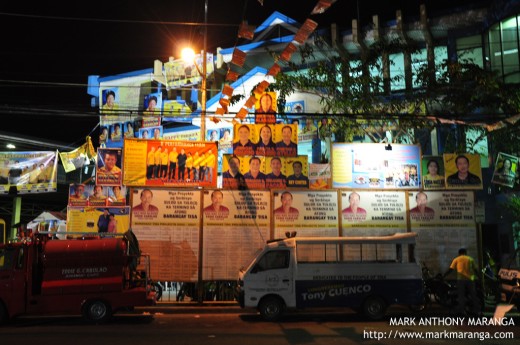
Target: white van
366 274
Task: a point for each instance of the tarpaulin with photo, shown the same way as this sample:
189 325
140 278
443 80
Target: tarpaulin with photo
309 213
372 166
166 223
372 213
433 172
444 222
506 168
265 140
81 194
265 172
108 167
77 158
113 129
236 224
320 176
85 219
169 163
462 171
28 172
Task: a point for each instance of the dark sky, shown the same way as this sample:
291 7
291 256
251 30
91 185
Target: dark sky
49 48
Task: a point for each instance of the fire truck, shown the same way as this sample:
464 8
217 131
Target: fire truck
91 276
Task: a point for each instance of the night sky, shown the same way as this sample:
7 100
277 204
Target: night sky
49 48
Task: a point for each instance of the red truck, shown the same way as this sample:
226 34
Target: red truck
94 277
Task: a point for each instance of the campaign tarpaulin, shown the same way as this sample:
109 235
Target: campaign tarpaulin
28 172
265 140
372 213
506 168
108 167
433 172
85 219
462 171
171 163
309 213
166 223
236 224
372 166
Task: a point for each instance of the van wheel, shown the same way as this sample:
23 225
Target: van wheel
271 308
97 311
374 308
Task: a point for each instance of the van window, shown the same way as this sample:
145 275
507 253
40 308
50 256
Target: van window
348 252
275 259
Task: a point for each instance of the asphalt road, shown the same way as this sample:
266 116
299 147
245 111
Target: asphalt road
219 325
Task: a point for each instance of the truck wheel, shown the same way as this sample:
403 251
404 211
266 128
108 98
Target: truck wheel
3 314
157 288
271 308
97 311
374 308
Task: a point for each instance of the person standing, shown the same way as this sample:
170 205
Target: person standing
173 164
103 221
157 162
150 163
181 161
112 223
466 270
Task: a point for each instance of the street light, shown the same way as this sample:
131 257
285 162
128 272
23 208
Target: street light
188 55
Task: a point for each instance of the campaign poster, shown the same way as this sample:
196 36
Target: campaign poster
110 100
252 172
265 140
169 163
236 225
114 128
462 171
224 138
307 213
505 170
444 222
28 172
166 223
320 176
375 166
108 167
265 108
154 132
84 220
433 172
153 104
372 213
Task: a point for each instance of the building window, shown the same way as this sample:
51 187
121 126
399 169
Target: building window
397 72
470 48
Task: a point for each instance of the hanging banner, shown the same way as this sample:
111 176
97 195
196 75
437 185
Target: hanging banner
320 176
169 163
236 224
372 166
463 171
307 213
77 158
28 172
506 168
166 223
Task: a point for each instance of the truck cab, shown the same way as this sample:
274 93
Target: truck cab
94 277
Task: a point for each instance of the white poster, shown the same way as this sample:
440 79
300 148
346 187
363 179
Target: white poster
166 223
236 225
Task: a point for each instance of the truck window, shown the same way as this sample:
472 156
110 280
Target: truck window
275 259
6 259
